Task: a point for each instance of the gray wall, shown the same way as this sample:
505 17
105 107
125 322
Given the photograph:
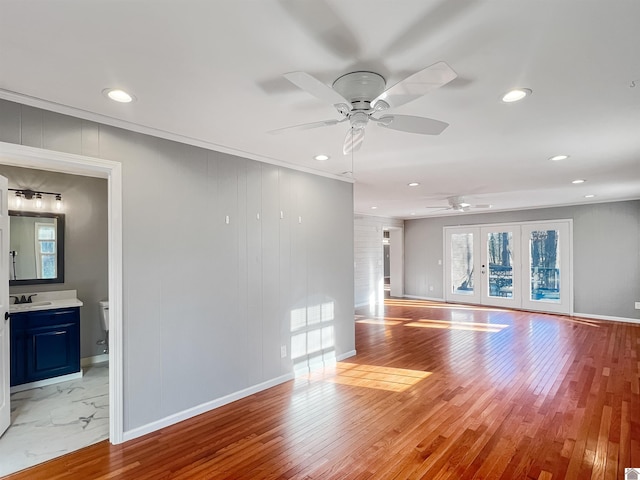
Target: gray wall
208 305
606 253
86 243
368 255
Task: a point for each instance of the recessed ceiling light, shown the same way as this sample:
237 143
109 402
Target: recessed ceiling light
374 208
557 158
579 180
413 184
321 157
118 95
591 195
516 95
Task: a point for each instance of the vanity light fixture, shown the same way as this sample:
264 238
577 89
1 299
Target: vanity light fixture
516 95
23 194
118 95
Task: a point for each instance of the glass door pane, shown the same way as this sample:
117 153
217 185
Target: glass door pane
544 260
500 264
462 265
547 273
461 261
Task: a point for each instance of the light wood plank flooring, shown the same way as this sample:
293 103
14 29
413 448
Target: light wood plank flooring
436 391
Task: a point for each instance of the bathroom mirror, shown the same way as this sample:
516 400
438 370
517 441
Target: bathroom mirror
36 250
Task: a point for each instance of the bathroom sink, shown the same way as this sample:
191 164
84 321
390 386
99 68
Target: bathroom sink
37 304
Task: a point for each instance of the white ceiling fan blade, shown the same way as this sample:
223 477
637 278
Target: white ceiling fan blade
353 140
418 84
412 124
306 126
315 87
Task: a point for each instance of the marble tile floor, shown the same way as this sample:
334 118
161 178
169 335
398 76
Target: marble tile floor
50 421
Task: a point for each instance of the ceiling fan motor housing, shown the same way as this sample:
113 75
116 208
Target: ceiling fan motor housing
360 88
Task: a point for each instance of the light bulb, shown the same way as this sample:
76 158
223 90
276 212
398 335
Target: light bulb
58 202
18 200
38 200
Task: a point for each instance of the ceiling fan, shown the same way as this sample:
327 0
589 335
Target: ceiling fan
459 204
361 97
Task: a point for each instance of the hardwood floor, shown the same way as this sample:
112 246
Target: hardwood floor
436 391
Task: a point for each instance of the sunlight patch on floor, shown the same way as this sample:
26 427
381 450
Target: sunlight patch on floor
470 326
370 376
442 305
582 321
379 321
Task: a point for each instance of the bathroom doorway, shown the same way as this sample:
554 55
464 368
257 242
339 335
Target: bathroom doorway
16 155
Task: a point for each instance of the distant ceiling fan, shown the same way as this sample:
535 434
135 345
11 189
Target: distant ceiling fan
459 204
361 96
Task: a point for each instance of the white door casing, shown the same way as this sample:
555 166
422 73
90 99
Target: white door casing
5 407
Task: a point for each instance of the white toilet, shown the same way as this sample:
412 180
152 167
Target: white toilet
104 317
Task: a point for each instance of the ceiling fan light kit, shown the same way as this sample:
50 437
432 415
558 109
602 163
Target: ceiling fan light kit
358 96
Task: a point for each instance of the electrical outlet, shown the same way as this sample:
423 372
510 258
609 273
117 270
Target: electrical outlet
637 305
439 262
431 288
283 351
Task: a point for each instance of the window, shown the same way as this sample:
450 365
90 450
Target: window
45 243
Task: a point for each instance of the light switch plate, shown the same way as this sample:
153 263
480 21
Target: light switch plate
283 351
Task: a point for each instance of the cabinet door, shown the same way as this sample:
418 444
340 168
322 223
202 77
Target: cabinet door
53 344
18 348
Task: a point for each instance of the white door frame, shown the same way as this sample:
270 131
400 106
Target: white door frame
23 156
396 261
5 334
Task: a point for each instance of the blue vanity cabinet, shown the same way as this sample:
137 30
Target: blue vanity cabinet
44 344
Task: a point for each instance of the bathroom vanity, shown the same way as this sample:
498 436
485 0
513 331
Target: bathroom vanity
45 339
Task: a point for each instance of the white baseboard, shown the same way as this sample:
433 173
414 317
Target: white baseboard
88 361
48 381
418 297
607 318
346 355
202 408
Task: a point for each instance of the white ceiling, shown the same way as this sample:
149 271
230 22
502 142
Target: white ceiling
212 71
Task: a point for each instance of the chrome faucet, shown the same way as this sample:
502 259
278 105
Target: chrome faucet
23 299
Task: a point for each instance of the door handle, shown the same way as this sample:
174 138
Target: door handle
6 316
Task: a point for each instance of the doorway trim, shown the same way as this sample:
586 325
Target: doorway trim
51 160
396 261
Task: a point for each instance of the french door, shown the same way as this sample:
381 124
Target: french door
523 265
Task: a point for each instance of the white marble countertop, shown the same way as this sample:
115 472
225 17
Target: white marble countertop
47 301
